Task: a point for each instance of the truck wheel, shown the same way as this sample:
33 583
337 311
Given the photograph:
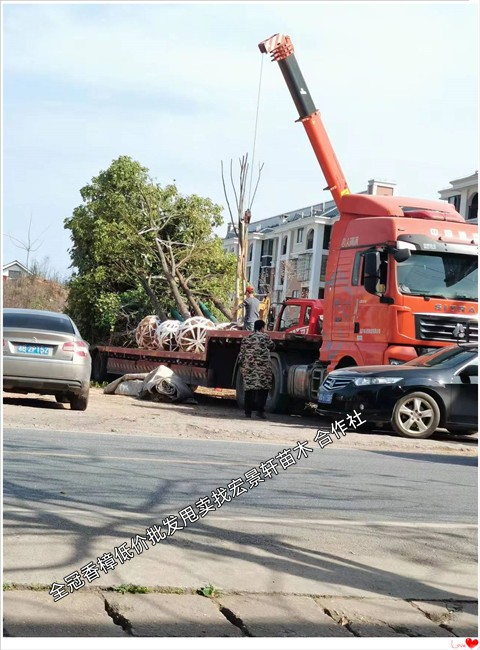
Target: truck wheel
99 367
240 390
345 362
416 415
276 401
79 402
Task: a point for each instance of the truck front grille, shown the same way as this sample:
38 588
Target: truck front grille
429 327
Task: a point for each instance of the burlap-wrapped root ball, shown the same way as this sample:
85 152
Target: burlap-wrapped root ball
167 335
192 333
146 333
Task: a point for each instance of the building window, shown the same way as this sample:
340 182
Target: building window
250 252
14 275
321 293
295 293
455 201
265 280
284 246
304 265
267 253
267 247
310 236
323 268
473 208
299 235
327 233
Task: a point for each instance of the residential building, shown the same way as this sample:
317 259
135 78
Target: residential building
14 270
463 194
287 254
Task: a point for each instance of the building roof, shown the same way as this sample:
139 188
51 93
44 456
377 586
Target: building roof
328 209
16 263
461 183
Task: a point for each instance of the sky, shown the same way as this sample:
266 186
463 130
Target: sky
175 87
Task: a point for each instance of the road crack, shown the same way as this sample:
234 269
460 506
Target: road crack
234 620
118 618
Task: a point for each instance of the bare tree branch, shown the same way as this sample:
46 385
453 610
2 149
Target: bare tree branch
256 185
228 202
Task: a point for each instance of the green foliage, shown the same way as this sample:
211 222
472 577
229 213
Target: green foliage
98 384
132 589
115 254
210 591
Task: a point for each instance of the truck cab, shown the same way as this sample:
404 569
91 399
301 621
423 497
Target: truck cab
300 316
400 280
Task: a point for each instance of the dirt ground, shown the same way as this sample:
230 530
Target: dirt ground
215 417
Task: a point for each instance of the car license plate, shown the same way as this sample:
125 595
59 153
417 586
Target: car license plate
41 350
324 397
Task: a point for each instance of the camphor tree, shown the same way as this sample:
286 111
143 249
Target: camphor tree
141 248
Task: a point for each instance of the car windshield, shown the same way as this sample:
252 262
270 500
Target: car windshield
38 322
442 275
447 356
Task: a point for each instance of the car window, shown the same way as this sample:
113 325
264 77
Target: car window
306 317
290 316
447 356
44 322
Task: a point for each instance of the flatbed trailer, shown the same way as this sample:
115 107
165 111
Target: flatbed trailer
217 366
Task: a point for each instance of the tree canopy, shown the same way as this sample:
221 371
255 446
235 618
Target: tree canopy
140 248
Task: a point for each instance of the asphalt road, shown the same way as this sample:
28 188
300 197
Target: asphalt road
341 521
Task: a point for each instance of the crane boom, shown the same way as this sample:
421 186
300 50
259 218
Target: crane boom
281 49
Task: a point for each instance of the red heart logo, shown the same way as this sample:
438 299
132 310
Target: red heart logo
471 642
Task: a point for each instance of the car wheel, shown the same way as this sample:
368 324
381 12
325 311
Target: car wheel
79 402
462 432
416 415
62 399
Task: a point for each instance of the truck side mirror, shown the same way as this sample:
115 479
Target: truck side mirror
372 271
402 254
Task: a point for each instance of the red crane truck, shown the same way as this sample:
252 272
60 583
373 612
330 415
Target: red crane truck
401 279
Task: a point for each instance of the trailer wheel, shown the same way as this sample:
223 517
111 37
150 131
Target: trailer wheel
240 390
277 402
99 367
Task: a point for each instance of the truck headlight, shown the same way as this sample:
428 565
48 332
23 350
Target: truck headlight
371 381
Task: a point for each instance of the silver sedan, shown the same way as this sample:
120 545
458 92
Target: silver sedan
43 352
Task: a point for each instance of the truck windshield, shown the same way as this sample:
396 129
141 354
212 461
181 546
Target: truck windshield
442 275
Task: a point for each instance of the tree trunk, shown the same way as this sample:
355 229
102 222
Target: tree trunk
153 298
189 294
221 307
182 307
